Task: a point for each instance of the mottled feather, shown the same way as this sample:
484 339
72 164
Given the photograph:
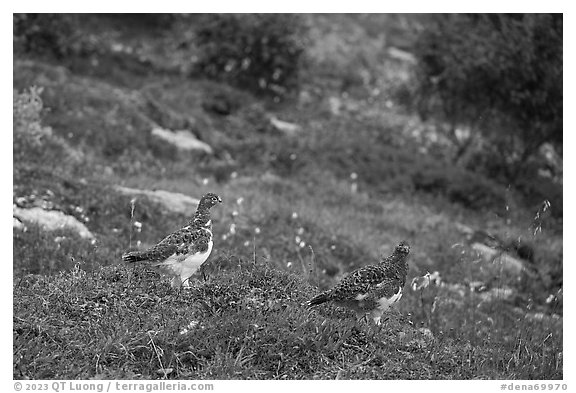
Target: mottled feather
372 288
183 251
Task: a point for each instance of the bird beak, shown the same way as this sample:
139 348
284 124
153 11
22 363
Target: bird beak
219 199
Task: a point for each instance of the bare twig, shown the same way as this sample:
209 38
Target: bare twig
157 355
254 250
132 208
312 266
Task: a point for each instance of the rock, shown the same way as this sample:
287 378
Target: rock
335 105
108 171
182 139
173 201
491 255
401 55
52 220
305 98
17 224
464 229
287 128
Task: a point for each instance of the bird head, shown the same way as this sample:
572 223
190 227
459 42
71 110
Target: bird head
209 200
402 248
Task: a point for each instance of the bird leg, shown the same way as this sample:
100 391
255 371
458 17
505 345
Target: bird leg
361 316
377 316
186 283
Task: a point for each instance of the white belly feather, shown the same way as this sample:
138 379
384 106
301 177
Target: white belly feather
385 303
185 266
192 262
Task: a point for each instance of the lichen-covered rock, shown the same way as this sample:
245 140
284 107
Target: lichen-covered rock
182 139
173 201
52 220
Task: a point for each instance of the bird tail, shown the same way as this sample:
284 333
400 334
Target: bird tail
134 256
319 299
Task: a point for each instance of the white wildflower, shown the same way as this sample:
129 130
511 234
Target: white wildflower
435 278
420 282
190 326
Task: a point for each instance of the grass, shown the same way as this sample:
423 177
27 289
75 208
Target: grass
250 322
293 221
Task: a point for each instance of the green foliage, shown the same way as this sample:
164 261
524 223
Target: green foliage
460 186
539 189
117 127
499 73
251 322
80 313
374 155
33 141
52 34
259 52
27 108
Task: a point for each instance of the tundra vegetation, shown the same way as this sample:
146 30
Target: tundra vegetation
330 138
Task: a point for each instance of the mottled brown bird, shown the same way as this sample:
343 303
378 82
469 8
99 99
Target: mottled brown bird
181 253
372 289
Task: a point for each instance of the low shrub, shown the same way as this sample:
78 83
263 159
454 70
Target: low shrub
252 323
500 74
259 52
27 107
46 34
33 141
468 189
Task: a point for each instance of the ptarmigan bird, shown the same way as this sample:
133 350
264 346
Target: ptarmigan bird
181 253
372 289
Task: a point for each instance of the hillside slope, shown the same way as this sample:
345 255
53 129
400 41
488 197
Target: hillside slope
313 188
